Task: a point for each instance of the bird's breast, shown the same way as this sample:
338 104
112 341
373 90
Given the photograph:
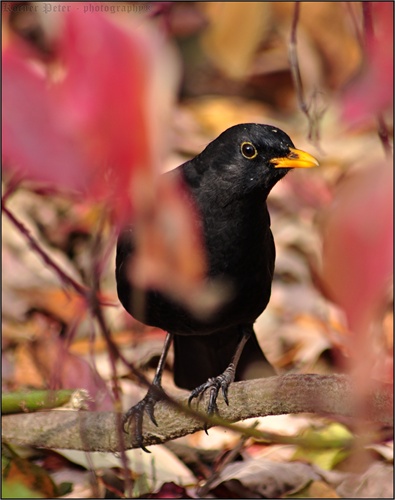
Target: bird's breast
241 253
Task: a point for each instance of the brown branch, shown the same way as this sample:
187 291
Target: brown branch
204 490
90 431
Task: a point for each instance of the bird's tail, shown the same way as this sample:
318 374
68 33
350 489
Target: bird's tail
197 358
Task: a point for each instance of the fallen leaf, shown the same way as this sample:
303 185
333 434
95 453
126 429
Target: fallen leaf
376 482
269 479
233 55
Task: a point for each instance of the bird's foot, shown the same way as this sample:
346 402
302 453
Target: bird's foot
214 384
135 414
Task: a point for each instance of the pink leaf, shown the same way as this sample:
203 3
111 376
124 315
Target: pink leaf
358 244
34 142
104 95
87 120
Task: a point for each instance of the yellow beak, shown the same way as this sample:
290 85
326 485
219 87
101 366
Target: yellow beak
295 159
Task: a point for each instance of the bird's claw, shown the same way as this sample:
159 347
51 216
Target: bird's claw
214 384
135 414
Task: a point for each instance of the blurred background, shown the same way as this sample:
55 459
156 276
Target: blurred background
99 98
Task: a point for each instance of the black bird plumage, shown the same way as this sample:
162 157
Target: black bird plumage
229 182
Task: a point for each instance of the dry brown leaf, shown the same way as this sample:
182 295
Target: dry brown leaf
328 26
26 371
67 306
217 113
230 43
376 482
269 479
319 489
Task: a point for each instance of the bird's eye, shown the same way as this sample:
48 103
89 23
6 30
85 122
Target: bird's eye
248 150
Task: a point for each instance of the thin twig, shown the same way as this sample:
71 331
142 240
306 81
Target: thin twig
11 187
314 117
384 135
63 276
294 62
91 295
368 37
113 355
98 258
354 22
367 20
204 490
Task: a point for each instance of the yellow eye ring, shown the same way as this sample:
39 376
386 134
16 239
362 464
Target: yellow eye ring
248 150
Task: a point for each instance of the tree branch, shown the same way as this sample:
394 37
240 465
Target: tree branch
94 431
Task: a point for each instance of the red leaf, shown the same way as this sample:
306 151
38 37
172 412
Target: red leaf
34 141
88 119
105 97
358 244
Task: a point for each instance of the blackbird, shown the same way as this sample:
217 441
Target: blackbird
228 182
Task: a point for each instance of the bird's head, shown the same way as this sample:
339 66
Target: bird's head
249 157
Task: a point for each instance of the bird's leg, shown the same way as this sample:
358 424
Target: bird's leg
154 394
223 380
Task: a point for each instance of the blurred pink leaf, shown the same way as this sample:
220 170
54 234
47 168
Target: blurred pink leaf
372 91
74 372
105 96
96 125
170 254
34 140
87 120
358 244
